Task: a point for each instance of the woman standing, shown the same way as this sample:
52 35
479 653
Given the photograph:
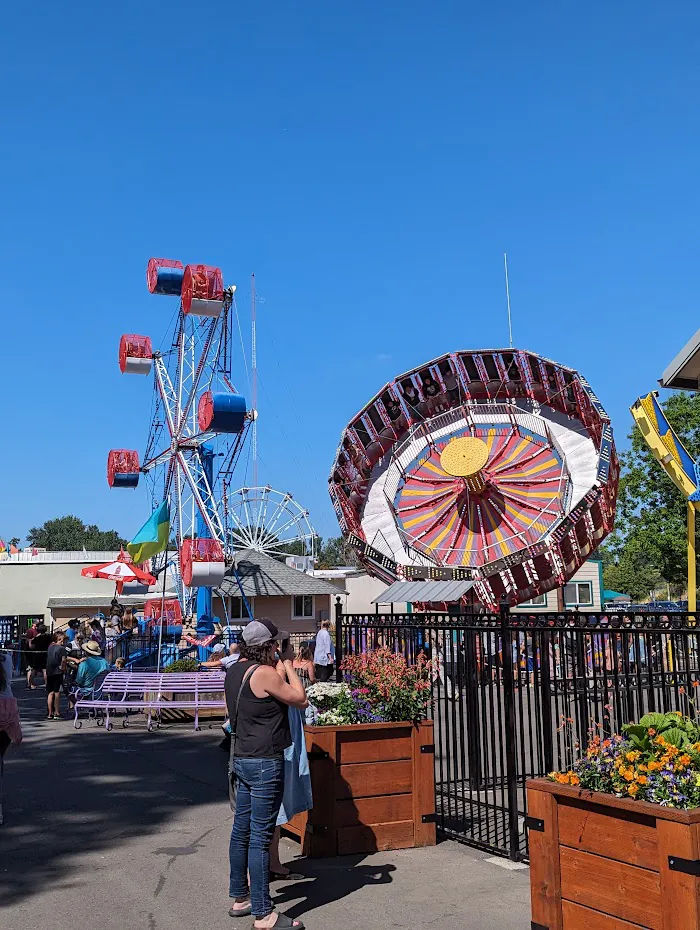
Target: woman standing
257 699
304 665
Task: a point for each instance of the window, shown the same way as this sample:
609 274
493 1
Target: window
302 606
237 610
578 594
539 601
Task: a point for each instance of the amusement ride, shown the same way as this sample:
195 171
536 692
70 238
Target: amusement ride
198 430
494 468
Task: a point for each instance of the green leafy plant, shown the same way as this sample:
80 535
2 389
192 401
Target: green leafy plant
656 759
676 730
182 665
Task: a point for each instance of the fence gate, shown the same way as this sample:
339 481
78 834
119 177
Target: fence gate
517 695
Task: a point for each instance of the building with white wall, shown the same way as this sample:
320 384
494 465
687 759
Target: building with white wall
584 592
28 582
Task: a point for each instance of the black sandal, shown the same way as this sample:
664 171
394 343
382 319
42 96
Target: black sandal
287 877
284 923
240 911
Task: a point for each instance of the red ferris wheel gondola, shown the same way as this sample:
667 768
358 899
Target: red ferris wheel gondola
202 563
123 468
202 290
135 355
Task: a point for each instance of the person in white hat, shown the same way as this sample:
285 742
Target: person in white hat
91 666
257 699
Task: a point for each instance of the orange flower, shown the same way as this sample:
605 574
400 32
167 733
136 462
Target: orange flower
641 779
633 789
685 759
628 775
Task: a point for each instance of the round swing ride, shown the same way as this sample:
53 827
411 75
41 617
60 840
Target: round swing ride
198 427
493 467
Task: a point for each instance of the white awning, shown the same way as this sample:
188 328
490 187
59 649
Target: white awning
409 591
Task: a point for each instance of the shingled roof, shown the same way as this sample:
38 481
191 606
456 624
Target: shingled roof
263 576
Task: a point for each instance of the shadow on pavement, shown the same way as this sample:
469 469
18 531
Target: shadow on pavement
68 793
331 880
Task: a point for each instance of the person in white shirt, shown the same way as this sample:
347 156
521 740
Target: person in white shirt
220 660
324 654
234 654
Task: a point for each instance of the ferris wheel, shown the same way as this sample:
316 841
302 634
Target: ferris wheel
198 423
271 522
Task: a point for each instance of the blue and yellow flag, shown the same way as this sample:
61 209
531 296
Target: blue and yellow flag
153 535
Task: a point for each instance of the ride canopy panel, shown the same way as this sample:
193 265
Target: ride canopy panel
497 466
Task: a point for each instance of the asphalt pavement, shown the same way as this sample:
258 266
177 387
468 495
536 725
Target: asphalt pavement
129 830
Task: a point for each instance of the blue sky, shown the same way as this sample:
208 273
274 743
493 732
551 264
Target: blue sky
370 162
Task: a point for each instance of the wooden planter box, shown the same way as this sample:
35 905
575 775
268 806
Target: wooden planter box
604 863
373 787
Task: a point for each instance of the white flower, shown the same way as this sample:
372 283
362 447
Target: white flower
329 718
325 694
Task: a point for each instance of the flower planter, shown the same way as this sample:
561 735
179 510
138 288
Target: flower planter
373 787
605 863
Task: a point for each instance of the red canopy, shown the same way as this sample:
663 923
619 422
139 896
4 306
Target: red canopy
122 570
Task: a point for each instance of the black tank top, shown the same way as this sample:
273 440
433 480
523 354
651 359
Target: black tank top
262 730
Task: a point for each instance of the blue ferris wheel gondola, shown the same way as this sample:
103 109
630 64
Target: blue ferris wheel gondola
165 276
221 412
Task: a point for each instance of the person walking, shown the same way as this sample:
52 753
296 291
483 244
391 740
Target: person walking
38 648
257 700
56 659
324 654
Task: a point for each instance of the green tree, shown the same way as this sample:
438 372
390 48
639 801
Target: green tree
70 533
649 542
336 551
14 541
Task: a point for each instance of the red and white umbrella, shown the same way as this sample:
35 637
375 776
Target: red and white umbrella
122 570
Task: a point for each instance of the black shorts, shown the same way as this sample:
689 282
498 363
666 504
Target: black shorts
54 683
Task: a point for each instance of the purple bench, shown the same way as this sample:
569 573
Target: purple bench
143 691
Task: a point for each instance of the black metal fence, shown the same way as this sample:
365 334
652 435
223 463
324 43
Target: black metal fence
517 695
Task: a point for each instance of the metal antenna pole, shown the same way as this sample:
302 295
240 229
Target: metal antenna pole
254 364
510 327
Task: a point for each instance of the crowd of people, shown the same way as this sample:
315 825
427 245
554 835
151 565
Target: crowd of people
66 662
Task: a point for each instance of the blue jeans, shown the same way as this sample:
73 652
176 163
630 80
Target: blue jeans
259 791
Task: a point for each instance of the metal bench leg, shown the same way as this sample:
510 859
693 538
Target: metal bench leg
196 718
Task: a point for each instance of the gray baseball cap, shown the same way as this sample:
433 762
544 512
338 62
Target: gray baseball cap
259 632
